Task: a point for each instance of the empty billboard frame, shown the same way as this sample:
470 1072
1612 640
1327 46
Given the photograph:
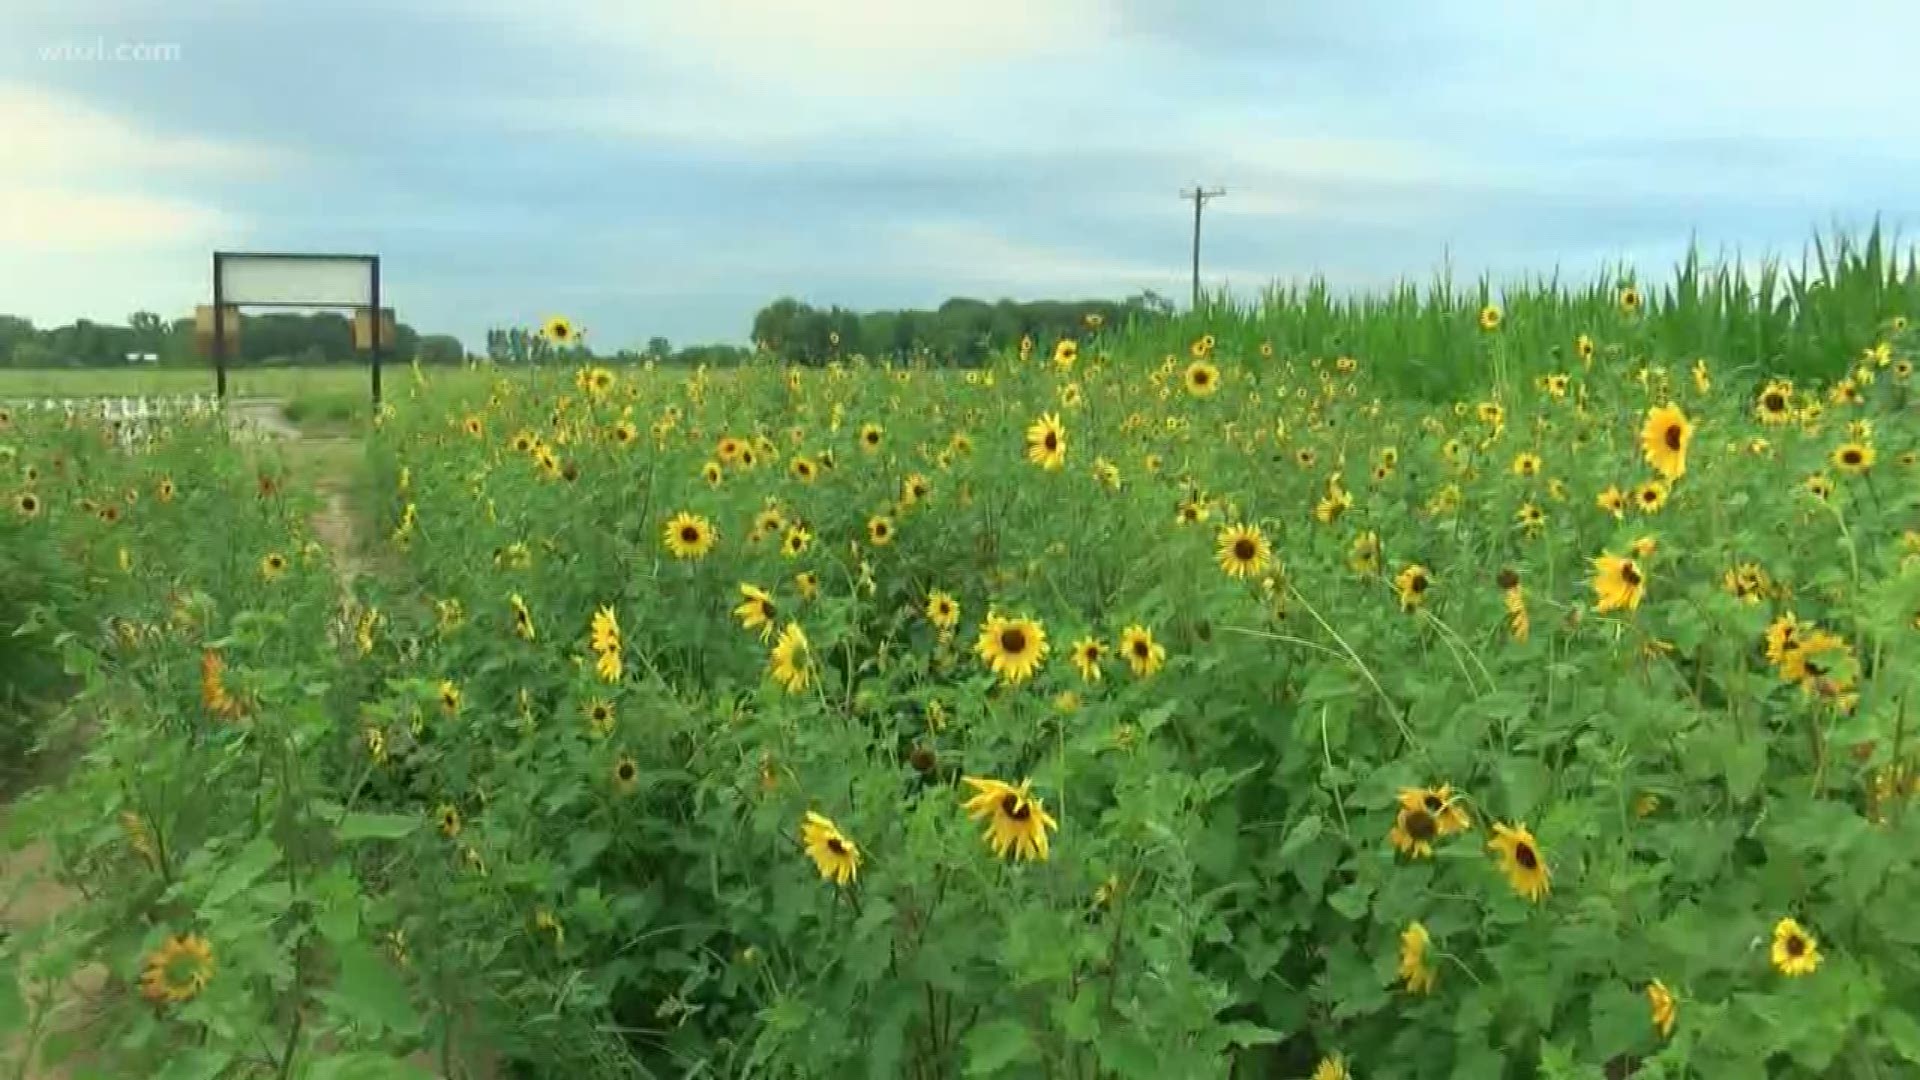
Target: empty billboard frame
296 280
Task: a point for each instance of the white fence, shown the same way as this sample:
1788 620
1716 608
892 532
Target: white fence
129 417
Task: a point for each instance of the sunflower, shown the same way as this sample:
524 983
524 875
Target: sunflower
796 541
689 536
913 489
1087 654
1412 584
1617 583
1202 378
1795 952
1065 352
449 820
1775 403
272 565
178 970
1047 442
1144 655
1414 831
1489 318
1661 1001
165 490
522 618
837 857
626 775
1107 473
880 530
1612 500
1748 582
1650 496
808 583
1853 458
1189 511
1441 804
28 504
1629 300
1583 347
1414 969
1243 551
943 610
712 474
1531 519
870 437
1818 485
1526 464
756 610
1663 440
1013 648
624 433
791 663
1202 347
1364 556
600 718
1016 820
559 330
1521 860
1331 1067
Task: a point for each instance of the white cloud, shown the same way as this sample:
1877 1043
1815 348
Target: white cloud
50 136
51 219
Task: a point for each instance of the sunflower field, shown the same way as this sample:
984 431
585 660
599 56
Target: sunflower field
1436 686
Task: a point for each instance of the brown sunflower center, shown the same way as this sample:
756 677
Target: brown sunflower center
1141 648
1201 377
1774 403
1013 641
1850 455
1671 437
1796 945
1433 803
1015 807
1051 442
1417 584
1245 549
1422 826
1524 854
836 845
689 534
1630 574
626 770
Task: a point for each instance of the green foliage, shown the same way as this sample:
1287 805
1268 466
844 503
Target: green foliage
413 820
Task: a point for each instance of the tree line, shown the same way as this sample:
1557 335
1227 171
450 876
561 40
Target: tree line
324 337
961 332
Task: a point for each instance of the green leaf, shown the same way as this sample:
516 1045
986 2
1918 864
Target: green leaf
1746 763
1242 1033
255 859
13 1007
366 1066
369 992
1301 835
196 1064
1620 1019
1902 1032
996 1044
360 825
1351 901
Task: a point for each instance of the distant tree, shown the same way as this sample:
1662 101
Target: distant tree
440 349
659 348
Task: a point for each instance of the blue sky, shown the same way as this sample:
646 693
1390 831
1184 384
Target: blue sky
656 167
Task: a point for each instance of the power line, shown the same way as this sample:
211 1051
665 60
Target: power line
1199 195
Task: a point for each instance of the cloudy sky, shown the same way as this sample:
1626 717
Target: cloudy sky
667 166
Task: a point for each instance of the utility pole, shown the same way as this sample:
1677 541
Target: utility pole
1199 195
